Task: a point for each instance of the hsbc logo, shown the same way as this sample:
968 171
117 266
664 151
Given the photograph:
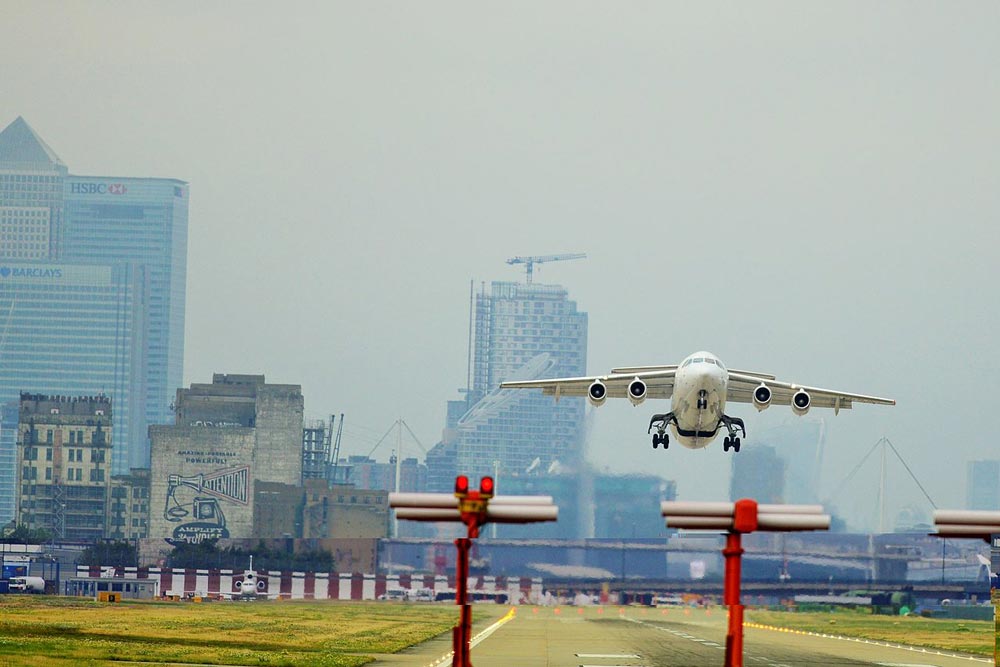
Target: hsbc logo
98 189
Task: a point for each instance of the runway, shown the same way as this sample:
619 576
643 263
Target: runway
646 637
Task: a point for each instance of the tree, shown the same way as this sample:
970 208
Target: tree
118 554
24 535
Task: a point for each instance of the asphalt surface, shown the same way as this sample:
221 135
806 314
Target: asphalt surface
645 637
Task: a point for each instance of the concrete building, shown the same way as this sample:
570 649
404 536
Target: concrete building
64 460
342 511
518 329
128 506
982 485
226 436
132 228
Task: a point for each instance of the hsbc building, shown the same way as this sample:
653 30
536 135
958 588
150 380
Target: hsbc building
142 222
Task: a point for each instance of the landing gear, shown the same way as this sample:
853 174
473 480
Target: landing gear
660 422
702 399
732 440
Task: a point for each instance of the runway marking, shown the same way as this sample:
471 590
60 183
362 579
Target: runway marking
607 655
478 638
903 647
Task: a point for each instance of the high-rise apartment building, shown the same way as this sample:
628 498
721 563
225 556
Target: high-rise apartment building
135 227
64 456
521 330
982 485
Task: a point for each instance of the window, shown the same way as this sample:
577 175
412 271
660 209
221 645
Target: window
97 456
96 475
48 474
48 436
48 454
72 455
72 437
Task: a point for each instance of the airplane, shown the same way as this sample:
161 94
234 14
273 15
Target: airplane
698 389
251 586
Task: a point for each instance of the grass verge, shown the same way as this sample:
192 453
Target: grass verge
56 631
975 637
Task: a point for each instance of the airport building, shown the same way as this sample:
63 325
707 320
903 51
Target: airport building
520 331
64 465
226 436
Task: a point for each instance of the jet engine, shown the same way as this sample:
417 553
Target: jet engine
597 393
801 402
762 397
636 391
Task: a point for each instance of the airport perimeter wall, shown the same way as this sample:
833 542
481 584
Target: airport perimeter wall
287 585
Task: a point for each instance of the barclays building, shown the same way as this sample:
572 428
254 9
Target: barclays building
70 329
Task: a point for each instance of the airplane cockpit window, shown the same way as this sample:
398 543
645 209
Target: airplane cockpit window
687 363
699 360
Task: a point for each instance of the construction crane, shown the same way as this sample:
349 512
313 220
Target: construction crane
529 262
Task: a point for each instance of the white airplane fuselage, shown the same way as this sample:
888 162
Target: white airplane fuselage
705 383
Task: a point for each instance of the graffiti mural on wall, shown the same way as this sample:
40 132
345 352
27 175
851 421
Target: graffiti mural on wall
195 502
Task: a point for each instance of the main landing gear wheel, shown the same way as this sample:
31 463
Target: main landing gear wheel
661 439
731 442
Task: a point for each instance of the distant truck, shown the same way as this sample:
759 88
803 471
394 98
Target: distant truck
26 585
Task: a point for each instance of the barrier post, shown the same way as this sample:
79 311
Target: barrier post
731 598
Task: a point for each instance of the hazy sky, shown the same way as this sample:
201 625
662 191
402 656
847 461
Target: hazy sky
802 188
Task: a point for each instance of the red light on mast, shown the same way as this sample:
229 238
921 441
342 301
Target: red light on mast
486 486
461 485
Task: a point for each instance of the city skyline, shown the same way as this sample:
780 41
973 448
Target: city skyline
92 286
791 188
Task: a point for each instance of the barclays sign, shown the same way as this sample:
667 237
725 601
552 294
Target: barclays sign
29 272
98 188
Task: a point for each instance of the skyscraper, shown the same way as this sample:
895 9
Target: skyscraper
74 330
758 473
134 227
142 222
520 331
31 195
982 485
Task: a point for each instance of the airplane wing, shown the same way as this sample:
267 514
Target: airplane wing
742 385
659 384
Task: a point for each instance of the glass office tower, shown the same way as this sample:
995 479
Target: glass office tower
74 330
142 222
31 195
